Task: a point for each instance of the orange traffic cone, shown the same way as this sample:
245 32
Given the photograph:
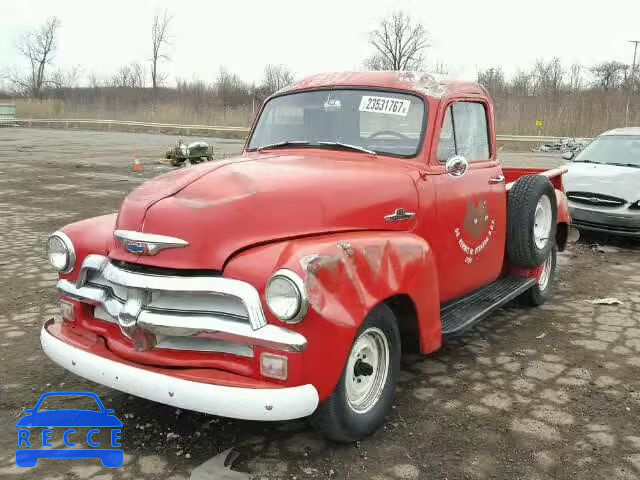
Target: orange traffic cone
137 166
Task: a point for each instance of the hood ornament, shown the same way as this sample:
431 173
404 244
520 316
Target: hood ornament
140 243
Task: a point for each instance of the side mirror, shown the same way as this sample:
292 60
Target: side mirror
456 166
567 155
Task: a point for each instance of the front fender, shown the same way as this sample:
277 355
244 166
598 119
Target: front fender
346 276
93 235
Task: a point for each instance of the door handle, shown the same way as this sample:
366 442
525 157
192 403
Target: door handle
498 179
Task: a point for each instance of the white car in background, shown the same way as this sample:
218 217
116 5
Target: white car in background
603 183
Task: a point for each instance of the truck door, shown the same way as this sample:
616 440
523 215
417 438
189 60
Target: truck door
470 200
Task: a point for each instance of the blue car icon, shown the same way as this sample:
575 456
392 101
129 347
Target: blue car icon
32 448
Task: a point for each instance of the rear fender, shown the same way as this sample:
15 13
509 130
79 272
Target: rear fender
346 276
564 220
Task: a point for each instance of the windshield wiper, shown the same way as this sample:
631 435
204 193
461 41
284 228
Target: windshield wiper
635 165
586 161
348 147
286 143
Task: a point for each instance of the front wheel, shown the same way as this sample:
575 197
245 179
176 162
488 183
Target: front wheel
539 293
367 387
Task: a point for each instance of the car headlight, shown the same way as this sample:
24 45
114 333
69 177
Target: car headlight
60 252
287 296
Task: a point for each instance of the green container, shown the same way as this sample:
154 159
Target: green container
7 114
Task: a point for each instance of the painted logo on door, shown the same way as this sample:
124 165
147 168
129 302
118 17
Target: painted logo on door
475 233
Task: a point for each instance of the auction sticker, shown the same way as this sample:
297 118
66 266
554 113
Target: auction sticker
388 105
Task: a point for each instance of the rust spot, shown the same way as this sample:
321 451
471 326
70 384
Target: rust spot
346 247
373 256
307 260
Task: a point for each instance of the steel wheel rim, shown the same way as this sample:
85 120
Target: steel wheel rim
545 274
364 391
542 222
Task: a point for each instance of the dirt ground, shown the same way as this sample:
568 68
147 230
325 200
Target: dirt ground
545 393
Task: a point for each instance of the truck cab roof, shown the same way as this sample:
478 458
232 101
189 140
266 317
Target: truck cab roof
419 82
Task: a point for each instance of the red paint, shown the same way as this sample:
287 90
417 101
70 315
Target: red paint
321 214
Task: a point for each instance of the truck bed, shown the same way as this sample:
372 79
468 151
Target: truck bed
554 175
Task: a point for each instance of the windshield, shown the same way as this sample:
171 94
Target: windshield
613 150
380 122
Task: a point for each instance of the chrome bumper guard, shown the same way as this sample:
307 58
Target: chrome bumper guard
99 278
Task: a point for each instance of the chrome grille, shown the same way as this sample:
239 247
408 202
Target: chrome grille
171 301
595 199
222 309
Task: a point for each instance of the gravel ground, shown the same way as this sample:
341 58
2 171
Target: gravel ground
546 393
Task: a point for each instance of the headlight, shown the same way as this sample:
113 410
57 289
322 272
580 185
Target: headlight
286 296
60 252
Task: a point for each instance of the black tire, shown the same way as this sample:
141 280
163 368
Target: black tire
538 294
521 209
336 418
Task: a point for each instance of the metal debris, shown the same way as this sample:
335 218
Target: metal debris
219 468
604 249
542 335
605 301
563 145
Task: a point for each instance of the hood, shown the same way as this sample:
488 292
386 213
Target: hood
612 180
221 208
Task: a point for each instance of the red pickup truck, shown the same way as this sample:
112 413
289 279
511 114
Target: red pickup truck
367 215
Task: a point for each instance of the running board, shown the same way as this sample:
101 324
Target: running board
460 315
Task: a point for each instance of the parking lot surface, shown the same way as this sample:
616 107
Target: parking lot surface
544 393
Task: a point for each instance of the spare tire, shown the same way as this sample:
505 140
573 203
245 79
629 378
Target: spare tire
532 217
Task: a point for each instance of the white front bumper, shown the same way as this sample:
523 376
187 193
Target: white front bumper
245 403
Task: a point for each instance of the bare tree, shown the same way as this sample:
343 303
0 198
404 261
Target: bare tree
137 75
131 76
575 77
399 44
38 47
493 79
440 68
548 77
275 78
608 75
376 62
231 90
94 81
160 42
66 78
121 77
521 83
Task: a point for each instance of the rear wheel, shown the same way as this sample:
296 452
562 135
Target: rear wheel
539 293
367 387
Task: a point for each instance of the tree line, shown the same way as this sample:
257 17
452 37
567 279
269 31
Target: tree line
551 77
39 80
573 100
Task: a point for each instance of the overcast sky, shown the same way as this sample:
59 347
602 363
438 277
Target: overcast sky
330 35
